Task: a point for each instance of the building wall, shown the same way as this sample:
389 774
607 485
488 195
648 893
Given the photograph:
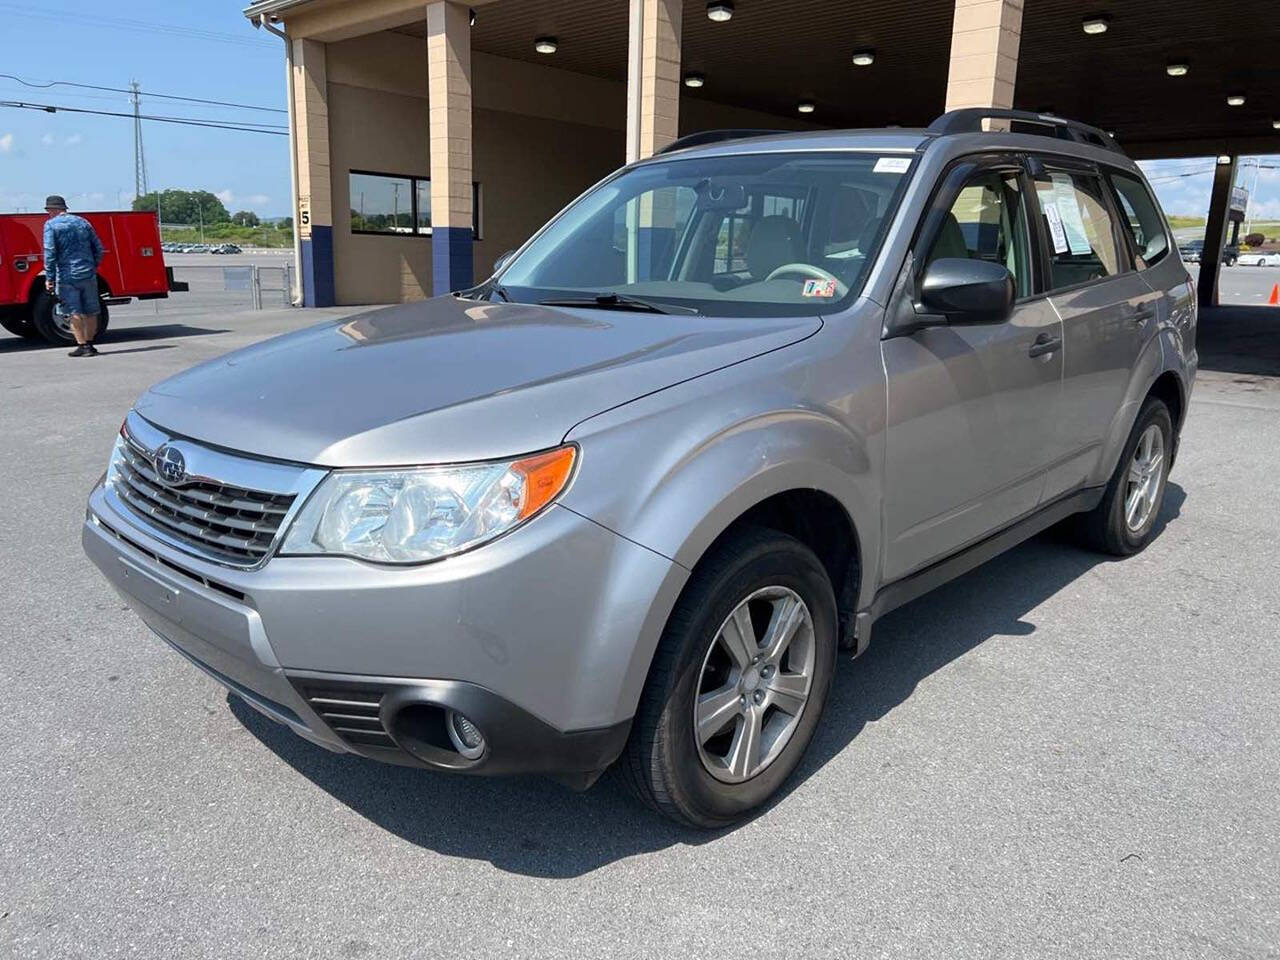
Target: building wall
541 136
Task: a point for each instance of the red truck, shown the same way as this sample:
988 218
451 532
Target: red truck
132 267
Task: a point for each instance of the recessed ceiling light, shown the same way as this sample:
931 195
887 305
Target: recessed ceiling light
694 80
1275 124
1223 159
1177 69
1095 25
1235 100
720 11
471 17
806 106
864 58
546 44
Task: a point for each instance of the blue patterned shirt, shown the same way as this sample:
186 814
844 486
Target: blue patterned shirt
72 250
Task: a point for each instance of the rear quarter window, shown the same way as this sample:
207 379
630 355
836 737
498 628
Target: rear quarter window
1140 216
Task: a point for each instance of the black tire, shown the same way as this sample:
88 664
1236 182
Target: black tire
18 322
1105 527
661 765
48 327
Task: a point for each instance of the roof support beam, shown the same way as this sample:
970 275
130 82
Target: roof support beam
1215 232
653 76
985 35
449 120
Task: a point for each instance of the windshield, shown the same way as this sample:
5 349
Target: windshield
756 235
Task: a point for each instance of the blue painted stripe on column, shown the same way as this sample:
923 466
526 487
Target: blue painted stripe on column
451 259
653 251
317 268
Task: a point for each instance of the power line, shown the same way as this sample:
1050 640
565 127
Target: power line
77 18
277 131
145 93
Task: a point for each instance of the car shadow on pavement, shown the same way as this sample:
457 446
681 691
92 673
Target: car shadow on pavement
534 827
114 335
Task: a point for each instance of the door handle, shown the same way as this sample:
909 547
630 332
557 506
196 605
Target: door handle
1045 343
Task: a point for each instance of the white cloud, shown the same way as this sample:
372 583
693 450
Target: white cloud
257 200
74 139
226 196
6 143
47 139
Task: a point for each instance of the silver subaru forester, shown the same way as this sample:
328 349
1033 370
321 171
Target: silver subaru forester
623 503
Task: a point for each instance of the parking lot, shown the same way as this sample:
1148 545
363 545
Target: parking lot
1058 755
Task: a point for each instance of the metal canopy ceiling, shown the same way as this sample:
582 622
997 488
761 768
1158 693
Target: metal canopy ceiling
775 53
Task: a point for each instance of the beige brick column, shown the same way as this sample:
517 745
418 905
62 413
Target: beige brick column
984 53
653 77
449 106
314 217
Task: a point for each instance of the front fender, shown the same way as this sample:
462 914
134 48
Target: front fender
674 470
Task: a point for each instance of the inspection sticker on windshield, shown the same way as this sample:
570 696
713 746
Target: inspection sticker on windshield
892 165
820 288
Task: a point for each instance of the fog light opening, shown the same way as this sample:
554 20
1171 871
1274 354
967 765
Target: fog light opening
465 735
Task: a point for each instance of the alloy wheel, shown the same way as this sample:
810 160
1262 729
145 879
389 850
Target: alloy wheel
1146 471
754 684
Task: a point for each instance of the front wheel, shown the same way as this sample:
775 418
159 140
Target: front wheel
1124 521
738 683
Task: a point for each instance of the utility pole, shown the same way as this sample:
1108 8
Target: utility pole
139 160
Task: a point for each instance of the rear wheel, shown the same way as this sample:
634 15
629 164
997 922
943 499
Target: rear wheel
1124 521
738 683
54 327
18 322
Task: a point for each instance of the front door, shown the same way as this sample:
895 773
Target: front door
972 410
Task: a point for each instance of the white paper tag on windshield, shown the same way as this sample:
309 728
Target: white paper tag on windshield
1058 234
892 165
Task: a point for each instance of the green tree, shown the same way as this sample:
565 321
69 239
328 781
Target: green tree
245 218
185 206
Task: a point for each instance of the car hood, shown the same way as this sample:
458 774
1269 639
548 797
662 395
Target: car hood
446 380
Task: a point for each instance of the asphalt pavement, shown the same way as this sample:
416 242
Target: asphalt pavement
1058 755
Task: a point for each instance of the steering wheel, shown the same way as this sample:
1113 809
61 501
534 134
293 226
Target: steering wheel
809 271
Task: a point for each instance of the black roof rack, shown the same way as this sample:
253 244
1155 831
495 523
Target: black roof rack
717 136
969 120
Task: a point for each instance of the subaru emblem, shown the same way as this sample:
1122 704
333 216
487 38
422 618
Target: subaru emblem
171 464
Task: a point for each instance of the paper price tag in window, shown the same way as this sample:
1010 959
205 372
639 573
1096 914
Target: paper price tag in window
892 165
1058 235
1069 213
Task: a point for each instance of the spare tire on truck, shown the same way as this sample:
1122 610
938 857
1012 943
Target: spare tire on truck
56 328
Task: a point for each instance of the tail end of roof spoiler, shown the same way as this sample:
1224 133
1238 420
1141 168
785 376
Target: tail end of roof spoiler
969 120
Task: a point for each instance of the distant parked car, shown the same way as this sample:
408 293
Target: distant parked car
1259 259
1193 249
225 248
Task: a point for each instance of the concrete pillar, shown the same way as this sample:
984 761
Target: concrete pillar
313 220
653 76
449 105
984 53
1215 232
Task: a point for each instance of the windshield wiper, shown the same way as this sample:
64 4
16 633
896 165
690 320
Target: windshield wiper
618 301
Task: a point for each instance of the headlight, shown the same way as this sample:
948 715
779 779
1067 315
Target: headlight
424 513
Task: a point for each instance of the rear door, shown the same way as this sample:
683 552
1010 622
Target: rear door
972 410
1108 311
138 254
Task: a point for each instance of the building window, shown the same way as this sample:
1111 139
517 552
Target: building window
387 204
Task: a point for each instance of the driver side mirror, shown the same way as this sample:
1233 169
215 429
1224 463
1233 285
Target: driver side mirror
967 291
502 260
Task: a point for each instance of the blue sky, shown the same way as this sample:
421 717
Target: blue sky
200 49
208 50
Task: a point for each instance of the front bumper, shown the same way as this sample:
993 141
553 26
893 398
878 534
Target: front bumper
542 639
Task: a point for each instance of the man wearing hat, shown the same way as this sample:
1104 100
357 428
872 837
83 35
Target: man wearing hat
72 253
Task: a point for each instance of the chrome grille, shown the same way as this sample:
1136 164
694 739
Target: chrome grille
230 524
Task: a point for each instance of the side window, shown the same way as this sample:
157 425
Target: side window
1141 218
1078 225
988 221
